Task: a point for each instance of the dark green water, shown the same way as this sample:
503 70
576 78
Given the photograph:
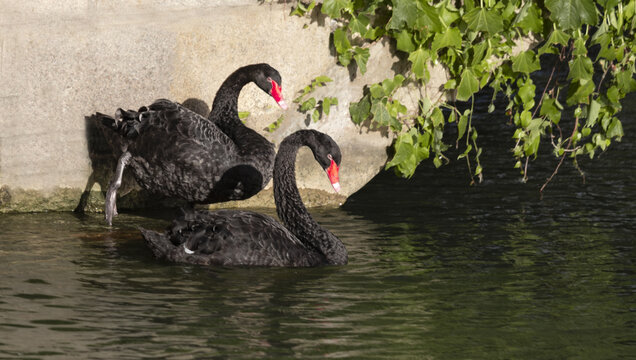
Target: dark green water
438 270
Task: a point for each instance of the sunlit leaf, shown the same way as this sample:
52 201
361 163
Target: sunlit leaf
405 41
450 37
361 55
308 104
405 13
529 18
389 85
571 14
418 60
340 41
581 68
615 129
467 86
380 113
461 126
333 8
579 92
481 19
550 109
360 110
526 62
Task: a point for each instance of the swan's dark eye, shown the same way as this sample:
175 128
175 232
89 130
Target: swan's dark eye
329 157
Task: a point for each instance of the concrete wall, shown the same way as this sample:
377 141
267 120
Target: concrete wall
62 61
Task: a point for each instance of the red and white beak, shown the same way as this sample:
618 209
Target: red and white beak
332 173
277 94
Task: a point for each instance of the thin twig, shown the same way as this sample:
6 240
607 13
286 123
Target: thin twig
556 170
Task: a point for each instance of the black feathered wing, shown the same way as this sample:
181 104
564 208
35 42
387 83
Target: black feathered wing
231 237
177 152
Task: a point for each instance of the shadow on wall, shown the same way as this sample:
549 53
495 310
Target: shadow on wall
104 151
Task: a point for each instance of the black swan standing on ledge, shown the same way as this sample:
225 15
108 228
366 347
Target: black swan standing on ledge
178 153
236 237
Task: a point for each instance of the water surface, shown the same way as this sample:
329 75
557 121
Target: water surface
438 269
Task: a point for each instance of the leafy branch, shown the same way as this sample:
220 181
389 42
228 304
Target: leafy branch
317 107
592 41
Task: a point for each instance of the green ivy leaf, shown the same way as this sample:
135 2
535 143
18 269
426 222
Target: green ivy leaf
615 129
526 62
571 14
340 41
361 56
327 103
449 38
301 9
359 24
389 85
481 19
345 59
526 94
467 86
479 52
321 80
557 37
579 92
273 126
405 41
445 11
380 113
531 146
581 68
404 157
308 104
461 126
360 110
592 113
315 116
529 18
405 12
243 114
625 81
418 60
551 109
333 8
377 91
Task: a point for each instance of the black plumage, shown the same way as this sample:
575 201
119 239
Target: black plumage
238 237
178 153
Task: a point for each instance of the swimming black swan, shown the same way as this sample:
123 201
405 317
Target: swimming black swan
236 237
178 153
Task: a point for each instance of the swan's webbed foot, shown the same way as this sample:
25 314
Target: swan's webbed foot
110 207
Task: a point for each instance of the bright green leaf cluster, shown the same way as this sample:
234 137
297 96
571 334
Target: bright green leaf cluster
273 126
378 105
473 40
317 107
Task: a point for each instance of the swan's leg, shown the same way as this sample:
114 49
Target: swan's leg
110 209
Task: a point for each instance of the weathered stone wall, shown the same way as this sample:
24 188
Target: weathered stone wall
62 61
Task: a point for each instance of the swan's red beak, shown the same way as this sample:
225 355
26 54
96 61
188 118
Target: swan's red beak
277 94
332 172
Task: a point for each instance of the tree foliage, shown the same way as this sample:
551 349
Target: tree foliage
474 41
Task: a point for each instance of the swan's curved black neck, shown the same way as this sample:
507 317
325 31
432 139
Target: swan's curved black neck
253 148
290 207
225 106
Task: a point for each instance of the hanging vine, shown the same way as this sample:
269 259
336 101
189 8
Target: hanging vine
473 40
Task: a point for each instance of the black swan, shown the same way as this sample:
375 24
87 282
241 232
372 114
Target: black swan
178 153
236 237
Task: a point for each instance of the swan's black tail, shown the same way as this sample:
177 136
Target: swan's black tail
158 243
